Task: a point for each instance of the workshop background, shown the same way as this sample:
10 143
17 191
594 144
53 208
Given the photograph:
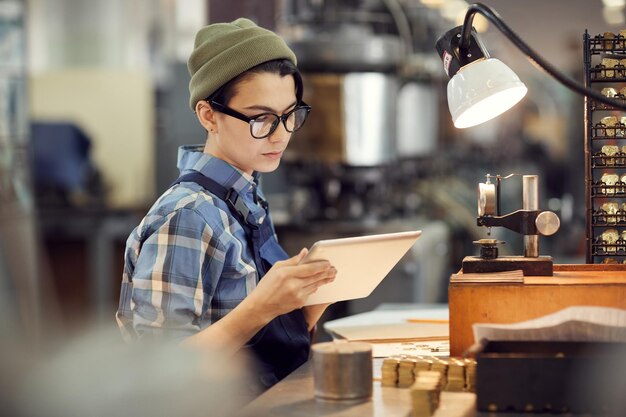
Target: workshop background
93 106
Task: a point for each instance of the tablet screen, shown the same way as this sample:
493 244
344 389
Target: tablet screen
361 262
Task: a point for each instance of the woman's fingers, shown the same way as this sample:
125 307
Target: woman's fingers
320 278
312 288
309 269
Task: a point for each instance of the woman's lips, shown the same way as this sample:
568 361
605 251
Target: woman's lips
274 155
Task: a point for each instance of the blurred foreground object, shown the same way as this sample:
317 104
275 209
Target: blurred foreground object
574 358
99 375
20 280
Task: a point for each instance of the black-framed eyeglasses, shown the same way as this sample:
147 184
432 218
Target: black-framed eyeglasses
264 124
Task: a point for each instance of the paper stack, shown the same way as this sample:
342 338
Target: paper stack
574 324
504 277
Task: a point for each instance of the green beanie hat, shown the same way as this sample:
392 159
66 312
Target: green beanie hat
222 51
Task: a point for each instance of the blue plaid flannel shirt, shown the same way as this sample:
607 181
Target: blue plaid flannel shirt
188 263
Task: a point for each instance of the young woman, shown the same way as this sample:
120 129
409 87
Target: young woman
205 264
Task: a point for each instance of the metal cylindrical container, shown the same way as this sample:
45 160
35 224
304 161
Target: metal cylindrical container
354 122
342 371
530 201
530 192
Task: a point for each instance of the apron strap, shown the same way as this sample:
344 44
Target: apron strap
229 196
283 344
256 235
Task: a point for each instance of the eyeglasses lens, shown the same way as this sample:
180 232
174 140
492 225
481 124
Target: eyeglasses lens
298 117
265 125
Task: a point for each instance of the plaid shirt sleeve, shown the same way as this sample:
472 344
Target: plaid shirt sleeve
168 292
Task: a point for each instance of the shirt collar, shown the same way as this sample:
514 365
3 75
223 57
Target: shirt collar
192 158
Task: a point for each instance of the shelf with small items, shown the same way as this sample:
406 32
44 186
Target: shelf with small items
611 185
607 246
608 220
611 260
609 158
608 43
609 74
601 131
596 106
610 215
610 242
616 94
605 144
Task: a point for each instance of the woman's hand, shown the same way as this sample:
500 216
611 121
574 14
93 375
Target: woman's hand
284 288
287 285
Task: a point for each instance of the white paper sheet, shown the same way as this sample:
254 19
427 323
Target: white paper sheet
578 323
428 348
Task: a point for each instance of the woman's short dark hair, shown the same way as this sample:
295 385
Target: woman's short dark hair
280 67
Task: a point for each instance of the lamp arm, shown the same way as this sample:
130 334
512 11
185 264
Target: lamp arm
533 56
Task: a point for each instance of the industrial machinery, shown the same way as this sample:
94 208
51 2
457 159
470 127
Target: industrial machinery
370 110
528 221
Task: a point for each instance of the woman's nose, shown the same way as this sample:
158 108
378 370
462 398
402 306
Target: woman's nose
280 134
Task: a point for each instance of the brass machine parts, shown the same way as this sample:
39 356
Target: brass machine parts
426 377
529 222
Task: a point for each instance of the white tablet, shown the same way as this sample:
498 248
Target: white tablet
361 262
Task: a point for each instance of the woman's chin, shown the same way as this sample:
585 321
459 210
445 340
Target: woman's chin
268 166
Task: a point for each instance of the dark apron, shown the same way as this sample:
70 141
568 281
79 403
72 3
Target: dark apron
283 344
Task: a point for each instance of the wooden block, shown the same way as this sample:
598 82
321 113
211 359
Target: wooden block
530 266
571 285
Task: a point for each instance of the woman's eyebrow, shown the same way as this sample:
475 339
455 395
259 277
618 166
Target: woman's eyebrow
269 109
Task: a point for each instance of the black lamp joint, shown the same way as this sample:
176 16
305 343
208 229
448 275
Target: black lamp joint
453 55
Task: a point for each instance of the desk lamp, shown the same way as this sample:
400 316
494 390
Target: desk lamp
481 87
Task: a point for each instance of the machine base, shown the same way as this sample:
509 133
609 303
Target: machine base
541 266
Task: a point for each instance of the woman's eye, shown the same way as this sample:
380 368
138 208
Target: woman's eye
265 118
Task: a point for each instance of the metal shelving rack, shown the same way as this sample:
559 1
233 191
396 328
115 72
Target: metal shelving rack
605 197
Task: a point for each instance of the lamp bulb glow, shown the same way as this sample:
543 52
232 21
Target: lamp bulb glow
483 90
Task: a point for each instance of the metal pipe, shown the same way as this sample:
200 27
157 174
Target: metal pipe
530 201
498 188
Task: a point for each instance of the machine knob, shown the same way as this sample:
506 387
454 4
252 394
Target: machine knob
547 223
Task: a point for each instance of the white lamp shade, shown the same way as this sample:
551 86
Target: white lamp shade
483 90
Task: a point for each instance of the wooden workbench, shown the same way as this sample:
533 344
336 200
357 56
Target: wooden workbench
571 285
294 397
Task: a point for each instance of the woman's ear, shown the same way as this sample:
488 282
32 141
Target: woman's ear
206 116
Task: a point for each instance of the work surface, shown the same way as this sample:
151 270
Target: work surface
294 397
